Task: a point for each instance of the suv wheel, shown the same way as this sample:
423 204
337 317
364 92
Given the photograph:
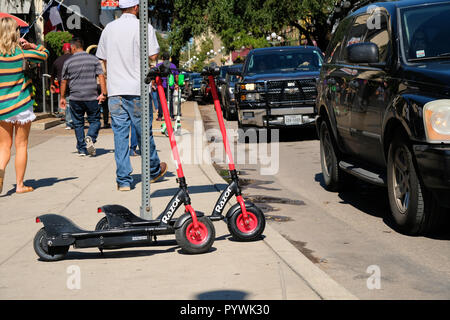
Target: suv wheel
413 208
333 176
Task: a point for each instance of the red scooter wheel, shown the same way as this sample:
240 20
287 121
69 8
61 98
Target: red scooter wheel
247 229
196 241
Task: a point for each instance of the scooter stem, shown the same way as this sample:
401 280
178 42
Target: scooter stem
173 143
223 130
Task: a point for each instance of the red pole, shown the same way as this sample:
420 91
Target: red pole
173 143
226 143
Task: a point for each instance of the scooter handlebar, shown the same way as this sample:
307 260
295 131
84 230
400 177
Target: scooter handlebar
162 70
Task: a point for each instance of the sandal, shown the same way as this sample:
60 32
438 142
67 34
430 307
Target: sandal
26 190
2 176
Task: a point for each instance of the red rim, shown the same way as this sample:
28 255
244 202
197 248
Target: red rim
198 236
249 225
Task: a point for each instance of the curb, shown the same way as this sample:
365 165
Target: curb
320 282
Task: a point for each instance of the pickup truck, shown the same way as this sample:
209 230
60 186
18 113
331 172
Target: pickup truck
277 87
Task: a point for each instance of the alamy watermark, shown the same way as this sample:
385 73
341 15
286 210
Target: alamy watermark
374 280
250 147
74 279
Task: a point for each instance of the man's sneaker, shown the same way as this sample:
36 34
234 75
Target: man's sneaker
68 128
124 188
163 167
90 146
82 154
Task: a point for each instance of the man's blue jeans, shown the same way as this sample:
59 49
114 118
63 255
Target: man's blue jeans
92 109
124 110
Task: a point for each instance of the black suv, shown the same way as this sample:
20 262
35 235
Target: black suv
384 107
278 87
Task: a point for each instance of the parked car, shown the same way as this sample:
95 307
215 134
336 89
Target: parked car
384 108
226 89
193 86
278 87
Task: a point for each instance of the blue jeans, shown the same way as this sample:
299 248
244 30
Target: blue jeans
125 110
133 140
78 109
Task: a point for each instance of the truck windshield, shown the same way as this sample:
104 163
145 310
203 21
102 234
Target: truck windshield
284 61
425 35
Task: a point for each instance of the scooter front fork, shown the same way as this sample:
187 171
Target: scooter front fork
241 202
197 232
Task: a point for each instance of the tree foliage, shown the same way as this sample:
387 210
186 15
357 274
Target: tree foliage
244 22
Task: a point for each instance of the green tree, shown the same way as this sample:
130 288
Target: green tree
56 39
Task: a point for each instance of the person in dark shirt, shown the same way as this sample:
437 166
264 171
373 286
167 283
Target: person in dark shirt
80 74
56 74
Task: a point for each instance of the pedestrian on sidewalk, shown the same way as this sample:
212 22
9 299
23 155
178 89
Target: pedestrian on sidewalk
80 74
16 103
56 74
165 83
119 47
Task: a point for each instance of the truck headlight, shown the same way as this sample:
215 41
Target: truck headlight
436 117
250 97
248 86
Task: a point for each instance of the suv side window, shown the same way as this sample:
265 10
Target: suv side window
357 31
335 47
379 35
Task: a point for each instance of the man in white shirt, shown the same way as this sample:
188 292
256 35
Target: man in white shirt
119 47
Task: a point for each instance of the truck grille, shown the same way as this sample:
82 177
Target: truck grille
288 91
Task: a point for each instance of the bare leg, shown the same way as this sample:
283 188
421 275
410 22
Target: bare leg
6 138
21 144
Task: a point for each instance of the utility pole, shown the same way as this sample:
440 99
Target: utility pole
146 209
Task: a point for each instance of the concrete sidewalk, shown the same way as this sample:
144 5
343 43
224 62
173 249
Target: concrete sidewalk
74 187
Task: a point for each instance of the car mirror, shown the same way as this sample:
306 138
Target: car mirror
365 52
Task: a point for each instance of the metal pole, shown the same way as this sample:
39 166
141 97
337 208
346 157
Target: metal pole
146 210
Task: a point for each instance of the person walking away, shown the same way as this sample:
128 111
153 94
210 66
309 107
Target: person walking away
173 67
16 103
56 74
80 74
119 47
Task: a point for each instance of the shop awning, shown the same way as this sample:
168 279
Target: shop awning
110 5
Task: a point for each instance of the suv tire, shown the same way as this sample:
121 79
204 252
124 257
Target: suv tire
333 176
414 209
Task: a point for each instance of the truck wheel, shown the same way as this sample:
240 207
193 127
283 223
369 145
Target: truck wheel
249 230
196 241
413 208
45 252
333 176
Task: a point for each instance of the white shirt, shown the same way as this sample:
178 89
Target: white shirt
119 45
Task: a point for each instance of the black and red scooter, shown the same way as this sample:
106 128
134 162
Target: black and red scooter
194 232
245 221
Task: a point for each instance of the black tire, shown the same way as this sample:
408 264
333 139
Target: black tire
45 252
254 229
102 224
334 178
413 208
185 236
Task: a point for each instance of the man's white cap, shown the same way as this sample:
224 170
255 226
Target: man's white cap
123 4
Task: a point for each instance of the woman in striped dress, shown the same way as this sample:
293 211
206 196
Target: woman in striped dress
16 103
